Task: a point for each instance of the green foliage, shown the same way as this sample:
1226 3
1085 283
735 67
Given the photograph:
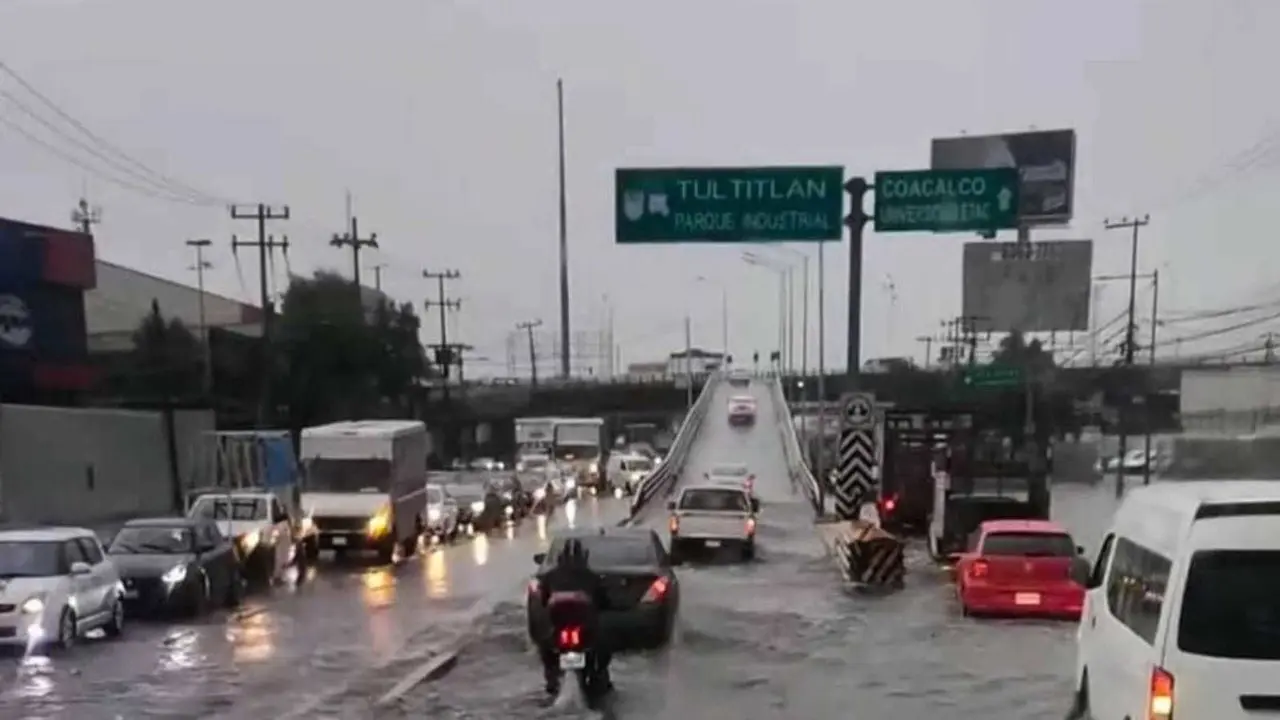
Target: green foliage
1016 351
336 361
167 359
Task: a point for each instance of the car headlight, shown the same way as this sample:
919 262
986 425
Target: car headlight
509 511
433 514
249 541
33 605
539 493
175 575
308 524
477 506
502 466
570 483
593 468
380 523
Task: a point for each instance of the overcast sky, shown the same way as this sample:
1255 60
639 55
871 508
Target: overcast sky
440 117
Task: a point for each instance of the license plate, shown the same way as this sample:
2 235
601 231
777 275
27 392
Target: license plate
1026 599
573 661
130 594
337 541
713 543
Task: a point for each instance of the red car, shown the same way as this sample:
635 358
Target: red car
1020 568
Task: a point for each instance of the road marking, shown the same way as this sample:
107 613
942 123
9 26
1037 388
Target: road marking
441 661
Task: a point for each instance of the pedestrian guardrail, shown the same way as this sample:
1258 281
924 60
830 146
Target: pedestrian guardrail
664 477
801 476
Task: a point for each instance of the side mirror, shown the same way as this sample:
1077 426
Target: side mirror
755 505
539 558
671 504
80 568
1081 572
1080 550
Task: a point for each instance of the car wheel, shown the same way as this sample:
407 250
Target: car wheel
202 595
749 551
409 547
115 626
311 548
1080 703
677 552
67 629
235 590
387 549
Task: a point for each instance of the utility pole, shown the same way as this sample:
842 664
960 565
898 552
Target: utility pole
261 213
928 349
353 240
200 266
688 361
856 221
564 243
820 462
85 217
1155 322
1135 225
377 276
1269 348
528 328
444 357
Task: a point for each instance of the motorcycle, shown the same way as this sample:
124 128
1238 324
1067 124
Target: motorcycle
573 648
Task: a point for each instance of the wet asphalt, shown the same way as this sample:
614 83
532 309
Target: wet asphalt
349 628
780 638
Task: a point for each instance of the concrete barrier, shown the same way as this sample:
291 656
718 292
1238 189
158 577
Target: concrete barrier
801 475
664 477
868 557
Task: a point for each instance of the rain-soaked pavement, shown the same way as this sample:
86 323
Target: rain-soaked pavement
282 654
778 638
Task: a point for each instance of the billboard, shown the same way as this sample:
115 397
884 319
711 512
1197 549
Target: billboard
1033 287
1046 161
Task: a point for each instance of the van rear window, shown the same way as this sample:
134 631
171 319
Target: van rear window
1231 605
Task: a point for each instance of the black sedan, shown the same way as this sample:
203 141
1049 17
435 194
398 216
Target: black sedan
479 508
181 565
644 594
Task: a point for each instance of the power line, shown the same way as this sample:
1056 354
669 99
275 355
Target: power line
115 150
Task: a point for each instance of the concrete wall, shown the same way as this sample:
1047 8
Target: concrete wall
1240 399
90 466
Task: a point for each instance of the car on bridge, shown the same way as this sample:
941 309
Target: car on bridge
644 592
740 378
742 410
736 474
711 517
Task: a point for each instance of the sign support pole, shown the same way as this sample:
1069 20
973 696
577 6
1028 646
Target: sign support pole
856 221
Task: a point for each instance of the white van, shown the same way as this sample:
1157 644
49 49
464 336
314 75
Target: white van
1182 611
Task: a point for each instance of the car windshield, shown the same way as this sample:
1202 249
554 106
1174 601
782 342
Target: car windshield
1231 605
1023 544
224 508
335 475
637 465
435 496
731 471
153 539
535 463
715 500
29 559
610 551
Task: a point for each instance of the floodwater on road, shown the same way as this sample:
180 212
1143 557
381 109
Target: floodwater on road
781 638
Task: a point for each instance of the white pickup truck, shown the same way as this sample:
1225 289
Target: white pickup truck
713 516
269 537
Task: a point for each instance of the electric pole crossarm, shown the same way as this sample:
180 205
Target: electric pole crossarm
261 213
353 240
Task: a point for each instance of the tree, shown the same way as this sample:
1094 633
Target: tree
1015 350
167 358
401 361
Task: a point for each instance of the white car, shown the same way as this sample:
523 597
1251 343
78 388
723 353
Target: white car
627 472
442 515
266 535
713 516
56 584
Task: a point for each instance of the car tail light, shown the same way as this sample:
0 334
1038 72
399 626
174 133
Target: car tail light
751 482
751 527
569 638
1161 705
657 591
673 524
979 569
890 503
534 587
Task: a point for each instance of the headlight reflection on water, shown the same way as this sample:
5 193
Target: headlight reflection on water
437 576
253 638
571 513
480 550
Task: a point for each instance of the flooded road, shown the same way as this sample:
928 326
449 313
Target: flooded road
284 651
779 638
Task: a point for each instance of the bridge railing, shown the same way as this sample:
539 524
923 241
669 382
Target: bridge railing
664 477
801 476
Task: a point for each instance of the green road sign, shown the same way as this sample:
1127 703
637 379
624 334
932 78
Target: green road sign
947 200
726 205
991 376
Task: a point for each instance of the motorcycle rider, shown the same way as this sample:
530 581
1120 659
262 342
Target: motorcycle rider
571 575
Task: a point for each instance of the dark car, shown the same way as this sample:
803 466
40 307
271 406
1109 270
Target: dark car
181 565
512 493
644 594
479 508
